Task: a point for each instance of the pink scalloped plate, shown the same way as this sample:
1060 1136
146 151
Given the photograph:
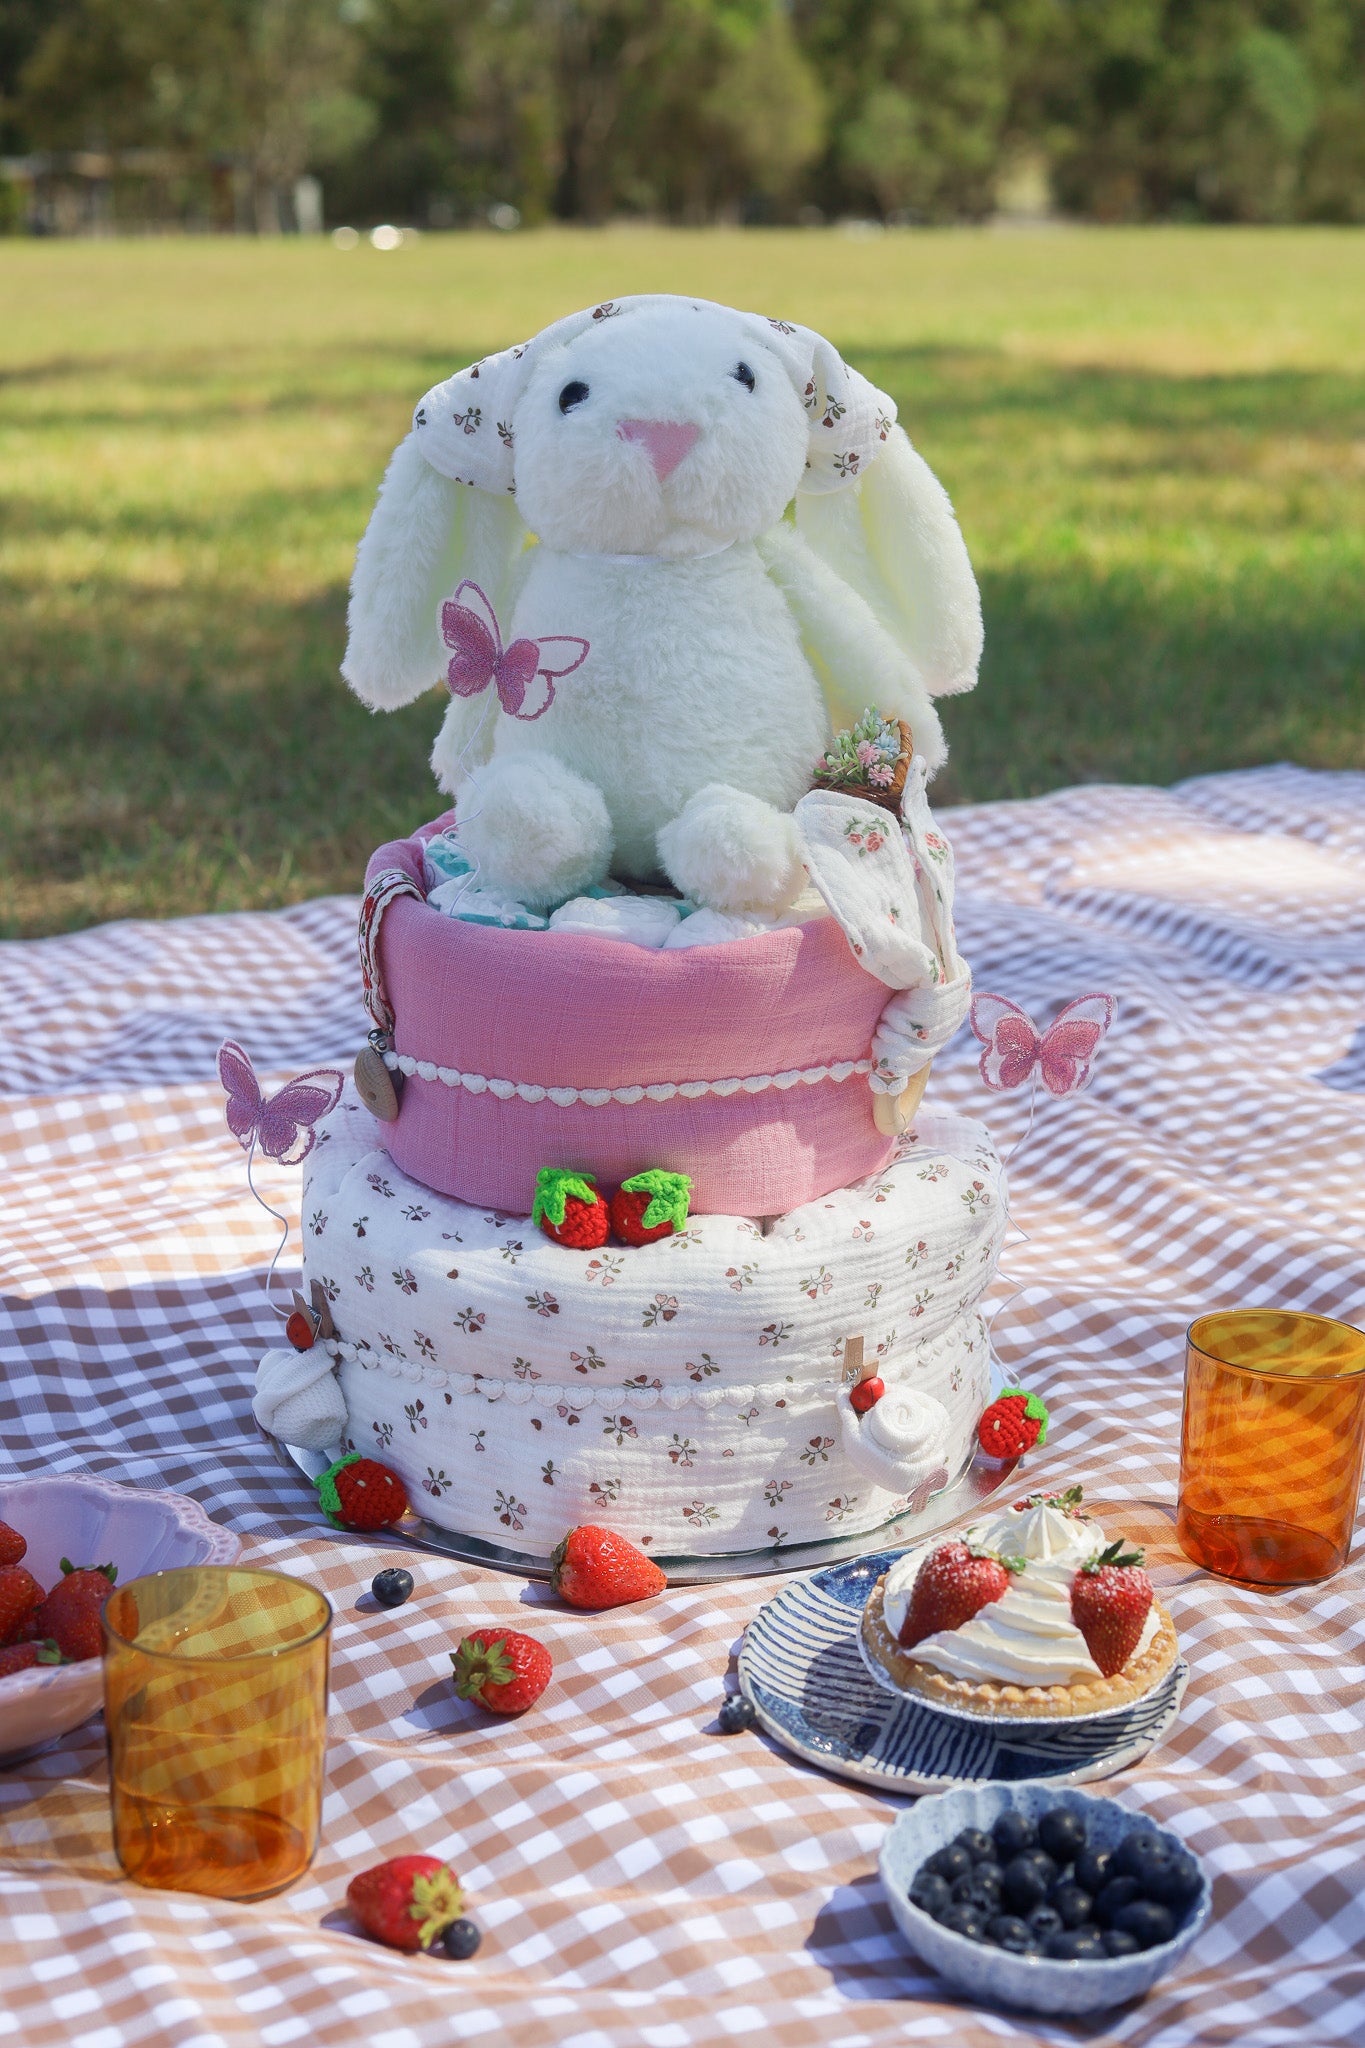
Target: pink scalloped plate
92 1522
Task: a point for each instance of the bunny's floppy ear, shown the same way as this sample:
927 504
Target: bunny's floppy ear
444 512
877 514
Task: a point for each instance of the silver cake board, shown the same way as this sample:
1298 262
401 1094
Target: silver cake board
979 1483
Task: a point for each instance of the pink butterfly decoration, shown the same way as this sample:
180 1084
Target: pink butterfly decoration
1061 1054
283 1125
469 627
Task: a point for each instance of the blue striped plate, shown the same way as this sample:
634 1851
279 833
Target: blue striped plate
802 1669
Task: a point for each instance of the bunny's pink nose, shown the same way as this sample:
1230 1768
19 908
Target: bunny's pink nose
664 441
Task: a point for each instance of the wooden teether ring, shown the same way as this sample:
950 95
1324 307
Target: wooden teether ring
375 1086
892 1114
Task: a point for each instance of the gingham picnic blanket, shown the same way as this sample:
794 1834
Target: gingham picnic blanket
640 1878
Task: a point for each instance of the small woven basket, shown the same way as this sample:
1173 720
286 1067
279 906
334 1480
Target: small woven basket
888 797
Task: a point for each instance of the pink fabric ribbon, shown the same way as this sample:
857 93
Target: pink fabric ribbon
469 627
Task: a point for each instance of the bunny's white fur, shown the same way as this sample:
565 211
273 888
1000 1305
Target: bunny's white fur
720 636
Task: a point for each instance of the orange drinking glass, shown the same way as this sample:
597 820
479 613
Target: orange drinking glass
215 1709
1271 1444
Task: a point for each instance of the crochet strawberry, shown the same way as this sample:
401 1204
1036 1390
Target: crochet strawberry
23 1656
360 1493
955 1582
501 1669
1110 1599
596 1568
20 1593
866 1395
70 1615
1012 1425
569 1209
12 1545
408 1902
649 1206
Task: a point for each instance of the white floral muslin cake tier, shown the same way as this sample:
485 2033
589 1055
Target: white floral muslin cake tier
688 1392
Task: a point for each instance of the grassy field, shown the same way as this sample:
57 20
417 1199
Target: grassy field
1155 440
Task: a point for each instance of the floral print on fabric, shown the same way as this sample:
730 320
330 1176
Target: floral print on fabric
693 1395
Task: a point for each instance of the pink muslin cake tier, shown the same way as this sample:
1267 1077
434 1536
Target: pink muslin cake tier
491 1016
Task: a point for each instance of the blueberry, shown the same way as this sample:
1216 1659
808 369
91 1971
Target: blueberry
393 1587
1117 1943
1045 1920
735 1714
931 1894
1025 1885
460 1940
952 1862
1075 1945
1092 1869
1043 1864
1062 1834
1140 1850
982 1898
977 1843
1007 1930
963 1920
988 1871
1147 1922
1176 1882
1013 1833
1072 1903
1118 1893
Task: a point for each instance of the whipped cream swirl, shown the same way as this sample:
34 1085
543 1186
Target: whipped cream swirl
1027 1636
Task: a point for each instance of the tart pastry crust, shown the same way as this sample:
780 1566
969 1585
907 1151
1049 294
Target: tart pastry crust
986 1696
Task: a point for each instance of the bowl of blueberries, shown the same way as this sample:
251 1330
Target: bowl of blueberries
1042 1896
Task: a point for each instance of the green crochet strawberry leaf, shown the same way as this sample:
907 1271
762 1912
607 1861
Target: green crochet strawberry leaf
1036 1412
329 1500
554 1185
668 1193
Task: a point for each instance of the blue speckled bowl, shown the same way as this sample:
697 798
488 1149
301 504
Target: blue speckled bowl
1036 1983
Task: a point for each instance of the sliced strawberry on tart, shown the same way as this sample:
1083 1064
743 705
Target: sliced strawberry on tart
1031 1615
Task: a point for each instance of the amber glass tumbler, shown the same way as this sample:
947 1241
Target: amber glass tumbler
215 1708
1271 1445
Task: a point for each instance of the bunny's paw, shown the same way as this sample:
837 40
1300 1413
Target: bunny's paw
731 851
538 832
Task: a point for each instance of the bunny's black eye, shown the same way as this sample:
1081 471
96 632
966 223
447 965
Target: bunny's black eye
743 373
572 395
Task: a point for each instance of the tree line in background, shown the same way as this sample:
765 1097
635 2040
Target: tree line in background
440 112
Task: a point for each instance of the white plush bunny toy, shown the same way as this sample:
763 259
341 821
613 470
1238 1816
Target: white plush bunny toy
626 480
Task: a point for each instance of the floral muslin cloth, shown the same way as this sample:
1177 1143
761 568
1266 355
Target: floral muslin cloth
890 887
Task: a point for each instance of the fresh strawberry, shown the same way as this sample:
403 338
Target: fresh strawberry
1110 1599
649 1206
12 1545
866 1395
597 1568
408 1902
1067 1502
955 1582
22 1656
70 1615
569 1209
360 1493
501 1669
20 1593
1012 1425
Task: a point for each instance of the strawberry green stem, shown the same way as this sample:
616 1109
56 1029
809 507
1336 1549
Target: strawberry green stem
554 1185
668 1194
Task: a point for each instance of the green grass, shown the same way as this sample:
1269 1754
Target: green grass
1155 440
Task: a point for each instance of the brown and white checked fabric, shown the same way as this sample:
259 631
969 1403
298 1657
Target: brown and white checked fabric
642 1881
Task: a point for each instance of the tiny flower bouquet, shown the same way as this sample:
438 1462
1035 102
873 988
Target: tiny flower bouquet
870 760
